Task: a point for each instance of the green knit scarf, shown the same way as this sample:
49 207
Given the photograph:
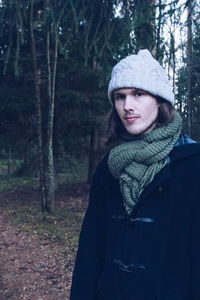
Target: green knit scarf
137 159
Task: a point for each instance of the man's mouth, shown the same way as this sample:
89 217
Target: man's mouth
131 119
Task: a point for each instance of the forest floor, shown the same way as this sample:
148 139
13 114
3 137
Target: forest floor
36 255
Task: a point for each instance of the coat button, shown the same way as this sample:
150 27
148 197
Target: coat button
145 220
128 268
160 188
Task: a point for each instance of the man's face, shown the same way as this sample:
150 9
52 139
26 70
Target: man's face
137 110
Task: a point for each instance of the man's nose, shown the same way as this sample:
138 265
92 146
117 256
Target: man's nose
129 103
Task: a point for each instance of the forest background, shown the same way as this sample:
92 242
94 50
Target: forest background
55 62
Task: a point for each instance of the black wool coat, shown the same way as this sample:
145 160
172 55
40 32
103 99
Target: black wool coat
153 254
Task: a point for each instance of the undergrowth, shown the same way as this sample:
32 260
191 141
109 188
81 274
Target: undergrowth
12 183
62 227
21 199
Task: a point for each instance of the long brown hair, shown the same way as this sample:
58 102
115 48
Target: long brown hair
166 114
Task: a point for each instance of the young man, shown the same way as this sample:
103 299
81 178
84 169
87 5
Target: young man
140 238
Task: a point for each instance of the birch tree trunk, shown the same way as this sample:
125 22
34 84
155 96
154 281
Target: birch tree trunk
50 123
52 32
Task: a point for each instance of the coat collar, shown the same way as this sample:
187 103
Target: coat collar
177 154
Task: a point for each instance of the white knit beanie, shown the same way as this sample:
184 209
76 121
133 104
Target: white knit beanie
143 72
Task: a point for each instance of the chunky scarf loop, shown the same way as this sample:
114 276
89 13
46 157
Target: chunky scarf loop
137 159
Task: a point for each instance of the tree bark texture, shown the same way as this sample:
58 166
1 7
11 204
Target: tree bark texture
38 116
189 68
50 162
53 32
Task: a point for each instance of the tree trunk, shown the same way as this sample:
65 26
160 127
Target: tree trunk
93 132
9 160
145 27
189 68
158 34
50 163
56 153
38 117
51 108
92 164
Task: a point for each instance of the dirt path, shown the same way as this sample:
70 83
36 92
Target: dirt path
31 268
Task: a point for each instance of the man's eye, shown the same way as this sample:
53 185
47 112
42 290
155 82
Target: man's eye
119 97
139 94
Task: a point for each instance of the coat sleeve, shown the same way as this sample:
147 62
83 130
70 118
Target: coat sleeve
195 252
89 260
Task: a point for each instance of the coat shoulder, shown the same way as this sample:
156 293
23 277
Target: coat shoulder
185 169
187 154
